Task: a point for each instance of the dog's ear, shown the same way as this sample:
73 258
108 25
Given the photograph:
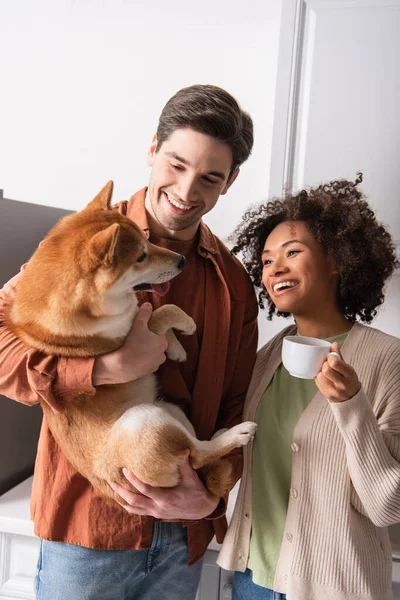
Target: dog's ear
101 247
103 199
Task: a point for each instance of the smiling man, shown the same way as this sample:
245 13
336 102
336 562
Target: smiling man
152 549
190 172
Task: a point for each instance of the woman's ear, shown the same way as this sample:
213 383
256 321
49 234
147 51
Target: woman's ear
333 270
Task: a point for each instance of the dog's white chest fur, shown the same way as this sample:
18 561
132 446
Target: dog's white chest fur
113 326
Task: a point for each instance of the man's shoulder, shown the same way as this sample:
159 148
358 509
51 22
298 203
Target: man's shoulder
234 273
222 252
121 207
227 256
124 207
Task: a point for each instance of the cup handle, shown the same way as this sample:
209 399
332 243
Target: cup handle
335 354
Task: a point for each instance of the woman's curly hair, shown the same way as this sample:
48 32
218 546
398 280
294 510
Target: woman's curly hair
339 217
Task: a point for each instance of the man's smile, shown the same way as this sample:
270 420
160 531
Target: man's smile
177 204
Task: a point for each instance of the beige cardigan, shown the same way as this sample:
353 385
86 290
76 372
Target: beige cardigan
345 486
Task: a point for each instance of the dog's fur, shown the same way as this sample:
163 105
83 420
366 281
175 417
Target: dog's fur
77 298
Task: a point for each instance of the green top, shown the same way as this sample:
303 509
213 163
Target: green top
280 407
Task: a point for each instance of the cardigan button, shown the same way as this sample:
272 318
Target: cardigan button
289 537
294 493
295 447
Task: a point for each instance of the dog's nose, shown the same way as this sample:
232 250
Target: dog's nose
181 263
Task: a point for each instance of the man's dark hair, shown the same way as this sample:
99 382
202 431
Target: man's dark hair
339 217
210 110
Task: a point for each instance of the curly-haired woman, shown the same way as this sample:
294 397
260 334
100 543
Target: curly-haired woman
321 482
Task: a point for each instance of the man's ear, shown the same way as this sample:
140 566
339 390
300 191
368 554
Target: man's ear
152 151
230 181
101 247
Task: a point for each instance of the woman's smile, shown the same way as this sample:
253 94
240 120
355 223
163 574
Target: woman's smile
282 287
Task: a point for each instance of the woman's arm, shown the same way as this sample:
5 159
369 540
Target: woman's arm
372 444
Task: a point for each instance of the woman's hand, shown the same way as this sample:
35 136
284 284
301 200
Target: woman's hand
337 380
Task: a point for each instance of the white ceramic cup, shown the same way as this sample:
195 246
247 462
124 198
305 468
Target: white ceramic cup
304 356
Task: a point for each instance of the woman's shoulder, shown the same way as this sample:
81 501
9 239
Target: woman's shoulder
275 342
375 340
374 349
268 358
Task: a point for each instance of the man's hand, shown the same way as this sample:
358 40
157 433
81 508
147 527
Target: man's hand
142 353
337 380
188 500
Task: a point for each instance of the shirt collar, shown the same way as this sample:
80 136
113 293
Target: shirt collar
136 211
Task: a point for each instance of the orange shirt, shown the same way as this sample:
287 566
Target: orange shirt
187 291
210 387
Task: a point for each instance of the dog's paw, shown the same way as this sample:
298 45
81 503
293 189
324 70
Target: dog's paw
176 352
244 432
189 326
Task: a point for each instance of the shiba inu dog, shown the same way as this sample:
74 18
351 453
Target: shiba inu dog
76 298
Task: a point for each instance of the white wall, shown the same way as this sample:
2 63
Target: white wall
332 118
83 83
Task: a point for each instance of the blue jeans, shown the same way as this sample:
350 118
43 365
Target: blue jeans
245 589
68 572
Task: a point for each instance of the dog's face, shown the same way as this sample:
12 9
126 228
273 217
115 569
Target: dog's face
120 260
106 254
82 279
153 268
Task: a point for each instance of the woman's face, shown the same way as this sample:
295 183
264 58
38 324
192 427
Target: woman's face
297 274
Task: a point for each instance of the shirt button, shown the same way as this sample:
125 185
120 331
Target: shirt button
212 249
289 537
246 515
240 556
295 447
294 493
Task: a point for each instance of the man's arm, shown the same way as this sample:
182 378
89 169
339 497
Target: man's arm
29 376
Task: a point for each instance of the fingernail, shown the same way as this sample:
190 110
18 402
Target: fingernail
125 471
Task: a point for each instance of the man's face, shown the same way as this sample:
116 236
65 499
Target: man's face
189 173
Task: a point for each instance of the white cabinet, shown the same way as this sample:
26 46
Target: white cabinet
215 583
19 548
